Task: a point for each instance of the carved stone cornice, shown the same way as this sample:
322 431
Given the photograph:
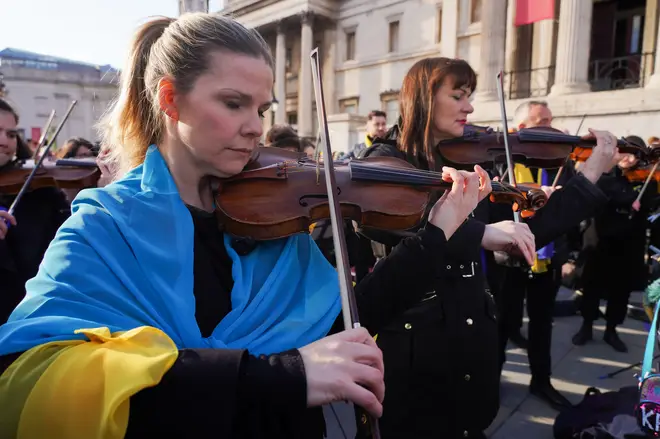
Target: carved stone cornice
307 17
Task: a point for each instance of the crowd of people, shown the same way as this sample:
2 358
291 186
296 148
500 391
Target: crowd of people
133 295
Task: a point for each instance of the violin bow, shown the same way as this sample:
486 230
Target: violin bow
348 301
505 127
42 138
646 184
561 168
28 181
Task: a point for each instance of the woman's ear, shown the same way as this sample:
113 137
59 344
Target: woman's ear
166 98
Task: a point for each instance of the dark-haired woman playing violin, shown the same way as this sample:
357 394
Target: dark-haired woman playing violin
25 235
146 319
441 357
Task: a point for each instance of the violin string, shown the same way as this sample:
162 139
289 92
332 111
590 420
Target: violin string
374 172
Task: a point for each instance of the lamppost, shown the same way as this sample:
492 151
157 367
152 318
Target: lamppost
274 104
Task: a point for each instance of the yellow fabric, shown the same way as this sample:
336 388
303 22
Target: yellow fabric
524 175
367 141
81 389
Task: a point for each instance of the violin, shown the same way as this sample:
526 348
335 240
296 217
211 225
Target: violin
641 174
281 193
540 147
63 176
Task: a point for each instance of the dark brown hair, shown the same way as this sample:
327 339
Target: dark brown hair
176 48
283 136
416 102
70 149
376 113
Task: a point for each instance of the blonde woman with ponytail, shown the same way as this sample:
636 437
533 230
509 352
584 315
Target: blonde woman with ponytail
147 320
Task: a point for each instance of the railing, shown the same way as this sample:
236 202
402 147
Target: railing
620 72
529 83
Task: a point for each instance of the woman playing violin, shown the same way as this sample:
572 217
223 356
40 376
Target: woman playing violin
442 365
25 235
616 266
143 299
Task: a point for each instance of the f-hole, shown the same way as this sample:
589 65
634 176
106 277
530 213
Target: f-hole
302 201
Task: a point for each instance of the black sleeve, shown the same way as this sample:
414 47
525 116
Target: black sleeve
401 279
619 192
217 393
578 200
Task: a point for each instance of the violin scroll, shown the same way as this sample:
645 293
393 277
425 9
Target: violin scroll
524 199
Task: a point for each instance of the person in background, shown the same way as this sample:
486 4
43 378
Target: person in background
26 235
616 267
442 361
511 284
283 136
376 128
76 147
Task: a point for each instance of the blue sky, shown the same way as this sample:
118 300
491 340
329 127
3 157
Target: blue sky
95 31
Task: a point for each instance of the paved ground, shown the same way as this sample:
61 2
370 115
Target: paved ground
574 370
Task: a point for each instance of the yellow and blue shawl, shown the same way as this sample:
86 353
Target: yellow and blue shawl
113 303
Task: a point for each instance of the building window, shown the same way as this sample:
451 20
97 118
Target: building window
390 105
350 45
475 11
349 105
292 119
394 37
438 36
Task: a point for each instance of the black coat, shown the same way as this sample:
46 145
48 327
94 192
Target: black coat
618 258
38 215
441 357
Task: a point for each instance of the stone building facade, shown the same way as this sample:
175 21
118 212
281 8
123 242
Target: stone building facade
36 84
598 57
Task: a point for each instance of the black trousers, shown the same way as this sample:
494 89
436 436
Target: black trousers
617 303
541 291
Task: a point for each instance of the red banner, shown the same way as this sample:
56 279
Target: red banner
531 11
36 134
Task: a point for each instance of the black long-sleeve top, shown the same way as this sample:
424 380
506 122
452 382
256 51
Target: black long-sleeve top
230 393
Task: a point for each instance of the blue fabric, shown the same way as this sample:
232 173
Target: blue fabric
549 250
124 259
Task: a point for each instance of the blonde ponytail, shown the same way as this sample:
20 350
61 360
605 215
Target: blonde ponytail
174 48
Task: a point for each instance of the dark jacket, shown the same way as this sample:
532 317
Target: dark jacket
618 258
38 215
441 357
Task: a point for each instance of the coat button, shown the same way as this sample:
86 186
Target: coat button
407 326
465 433
469 322
462 267
448 267
467 377
364 419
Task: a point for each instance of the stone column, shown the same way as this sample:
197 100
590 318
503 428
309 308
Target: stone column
493 35
654 80
510 37
650 38
280 74
449 28
305 91
573 47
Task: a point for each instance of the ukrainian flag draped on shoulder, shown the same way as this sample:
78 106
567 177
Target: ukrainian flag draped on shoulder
113 303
